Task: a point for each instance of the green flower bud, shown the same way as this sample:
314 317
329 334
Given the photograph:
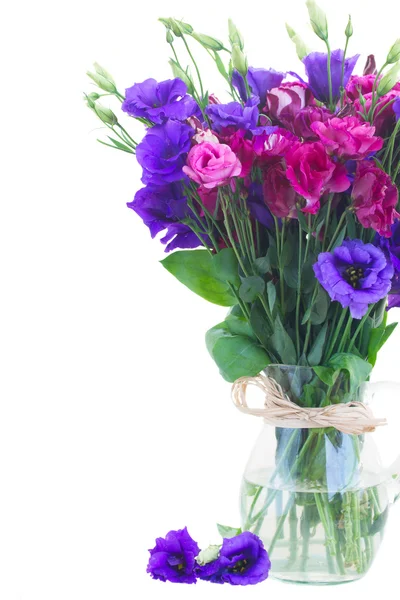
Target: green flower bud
389 80
102 79
207 41
301 48
105 114
318 20
235 37
349 29
178 72
90 101
166 23
208 555
93 96
170 37
394 53
239 60
179 27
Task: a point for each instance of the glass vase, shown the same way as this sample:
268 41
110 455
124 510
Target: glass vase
318 498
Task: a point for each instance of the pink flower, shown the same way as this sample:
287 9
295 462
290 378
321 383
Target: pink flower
209 199
384 117
359 84
311 173
374 198
211 164
279 195
243 149
285 101
303 120
270 145
348 138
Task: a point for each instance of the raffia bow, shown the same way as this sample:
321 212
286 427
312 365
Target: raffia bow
354 418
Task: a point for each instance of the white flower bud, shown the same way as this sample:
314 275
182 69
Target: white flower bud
301 48
239 60
349 28
102 79
105 114
208 42
235 37
394 53
170 37
181 74
389 80
318 20
208 555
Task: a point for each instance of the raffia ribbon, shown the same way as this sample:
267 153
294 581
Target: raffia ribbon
354 418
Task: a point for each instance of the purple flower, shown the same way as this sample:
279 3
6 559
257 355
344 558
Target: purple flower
173 558
355 274
257 206
391 247
260 82
396 108
316 65
234 114
163 152
242 561
158 102
162 208
394 301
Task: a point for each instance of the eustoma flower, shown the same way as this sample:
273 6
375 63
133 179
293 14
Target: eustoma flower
302 122
347 138
285 101
173 558
242 560
158 102
280 196
260 82
316 65
163 151
391 247
359 84
212 165
355 275
162 208
234 114
375 198
311 173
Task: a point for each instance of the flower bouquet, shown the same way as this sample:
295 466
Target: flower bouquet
281 204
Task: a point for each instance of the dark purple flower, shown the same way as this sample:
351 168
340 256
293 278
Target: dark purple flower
173 558
163 152
396 108
158 102
393 301
391 247
242 561
316 65
355 274
162 208
257 206
234 114
260 82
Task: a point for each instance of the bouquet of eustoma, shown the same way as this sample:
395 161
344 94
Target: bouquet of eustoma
281 204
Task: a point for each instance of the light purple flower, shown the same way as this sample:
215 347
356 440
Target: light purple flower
234 114
260 82
355 275
316 65
396 108
158 102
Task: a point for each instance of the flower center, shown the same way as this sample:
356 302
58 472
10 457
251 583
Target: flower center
353 276
240 566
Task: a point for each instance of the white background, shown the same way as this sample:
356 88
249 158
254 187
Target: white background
114 423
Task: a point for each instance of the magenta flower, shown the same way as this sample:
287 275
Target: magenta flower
279 194
212 165
356 275
375 198
242 560
348 138
284 102
311 173
303 120
359 84
384 115
243 148
272 143
209 199
173 558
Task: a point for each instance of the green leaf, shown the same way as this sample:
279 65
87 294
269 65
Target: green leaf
119 145
351 226
379 523
319 309
287 252
326 375
262 265
251 287
283 344
197 270
307 315
358 370
340 238
378 337
226 266
220 66
239 326
259 324
235 355
302 220
271 292
317 350
228 532
291 275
